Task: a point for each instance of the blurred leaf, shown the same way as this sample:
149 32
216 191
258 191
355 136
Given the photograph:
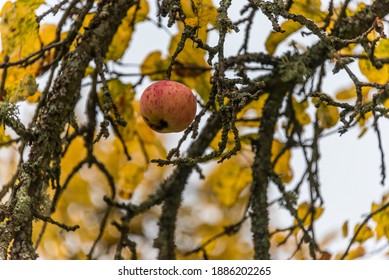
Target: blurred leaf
155 66
382 221
75 153
3 137
130 176
254 110
362 132
364 234
16 75
372 73
228 180
348 50
122 37
47 35
26 88
350 93
197 73
199 12
123 96
354 253
347 93
308 8
279 238
304 213
217 139
34 98
282 166
327 115
275 38
300 111
345 229
18 28
325 256
87 19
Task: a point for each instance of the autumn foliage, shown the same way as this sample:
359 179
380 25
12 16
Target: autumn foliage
83 176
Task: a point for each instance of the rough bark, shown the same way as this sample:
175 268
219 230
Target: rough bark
18 213
278 88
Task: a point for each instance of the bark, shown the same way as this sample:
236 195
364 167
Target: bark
17 214
26 197
278 87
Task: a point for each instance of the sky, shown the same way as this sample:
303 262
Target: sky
349 167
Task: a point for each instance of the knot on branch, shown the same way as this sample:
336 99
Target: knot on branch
294 70
171 8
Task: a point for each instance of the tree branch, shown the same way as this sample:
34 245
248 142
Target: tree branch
51 120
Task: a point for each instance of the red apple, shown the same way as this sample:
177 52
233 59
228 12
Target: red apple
168 106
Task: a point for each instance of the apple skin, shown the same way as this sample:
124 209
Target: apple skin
168 106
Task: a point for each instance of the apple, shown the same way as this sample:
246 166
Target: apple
168 106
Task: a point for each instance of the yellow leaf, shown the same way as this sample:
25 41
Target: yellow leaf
228 180
282 166
279 238
304 213
255 107
327 115
198 74
74 153
345 229
348 50
364 233
217 139
308 8
47 35
89 70
122 96
347 93
363 119
371 72
325 256
130 176
300 111
18 28
199 12
3 136
382 221
87 19
34 98
122 37
275 38
155 66
190 54
201 84
355 253
26 88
